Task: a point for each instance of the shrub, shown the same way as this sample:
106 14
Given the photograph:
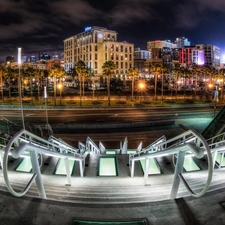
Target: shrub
121 102
96 102
146 102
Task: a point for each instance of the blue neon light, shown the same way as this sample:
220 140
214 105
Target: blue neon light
87 28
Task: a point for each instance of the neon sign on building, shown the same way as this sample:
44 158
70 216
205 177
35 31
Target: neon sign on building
87 29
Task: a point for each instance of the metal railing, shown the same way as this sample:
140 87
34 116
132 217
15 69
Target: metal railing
92 147
124 147
63 145
26 142
197 146
217 145
153 147
101 147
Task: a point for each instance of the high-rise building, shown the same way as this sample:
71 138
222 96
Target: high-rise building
24 58
95 46
159 45
9 59
206 54
182 42
31 59
162 52
141 54
185 55
44 56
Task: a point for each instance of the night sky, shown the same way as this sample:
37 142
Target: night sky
42 25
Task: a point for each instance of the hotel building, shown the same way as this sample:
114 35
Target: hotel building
95 46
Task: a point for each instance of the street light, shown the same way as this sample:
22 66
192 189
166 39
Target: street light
141 87
19 80
60 92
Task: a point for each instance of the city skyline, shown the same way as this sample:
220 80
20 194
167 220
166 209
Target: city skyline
41 26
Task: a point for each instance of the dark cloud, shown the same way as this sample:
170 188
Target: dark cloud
42 25
127 12
74 11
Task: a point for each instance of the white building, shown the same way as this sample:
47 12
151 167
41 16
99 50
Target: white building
95 46
206 54
160 44
182 42
141 54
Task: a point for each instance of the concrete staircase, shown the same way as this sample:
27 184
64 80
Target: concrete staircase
113 190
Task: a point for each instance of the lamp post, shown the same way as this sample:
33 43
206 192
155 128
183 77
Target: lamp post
215 98
19 86
46 108
60 92
141 87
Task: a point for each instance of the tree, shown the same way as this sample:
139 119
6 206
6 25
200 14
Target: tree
108 71
56 72
133 72
73 73
1 76
156 69
29 73
82 72
10 74
176 72
164 69
186 73
220 78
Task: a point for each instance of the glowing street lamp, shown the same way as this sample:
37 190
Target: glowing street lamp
60 92
141 87
19 87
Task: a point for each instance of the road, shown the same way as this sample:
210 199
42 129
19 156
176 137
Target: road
101 115
111 137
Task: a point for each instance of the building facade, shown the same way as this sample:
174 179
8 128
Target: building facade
186 55
95 46
141 54
207 55
163 52
182 42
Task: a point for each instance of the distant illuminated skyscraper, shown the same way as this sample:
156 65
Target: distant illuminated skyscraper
9 59
182 42
44 56
206 54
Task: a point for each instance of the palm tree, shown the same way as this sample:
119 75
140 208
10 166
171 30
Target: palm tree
197 70
82 71
164 69
176 71
156 70
220 77
108 71
29 73
91 74
133 72
186 74
10 73
1 75
73 73
56 72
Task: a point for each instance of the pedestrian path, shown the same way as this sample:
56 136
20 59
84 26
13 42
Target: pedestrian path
198 124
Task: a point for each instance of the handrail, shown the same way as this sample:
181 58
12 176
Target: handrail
82 147
91 146
124 147
197 146
153 147
63 144
101 147
31 147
